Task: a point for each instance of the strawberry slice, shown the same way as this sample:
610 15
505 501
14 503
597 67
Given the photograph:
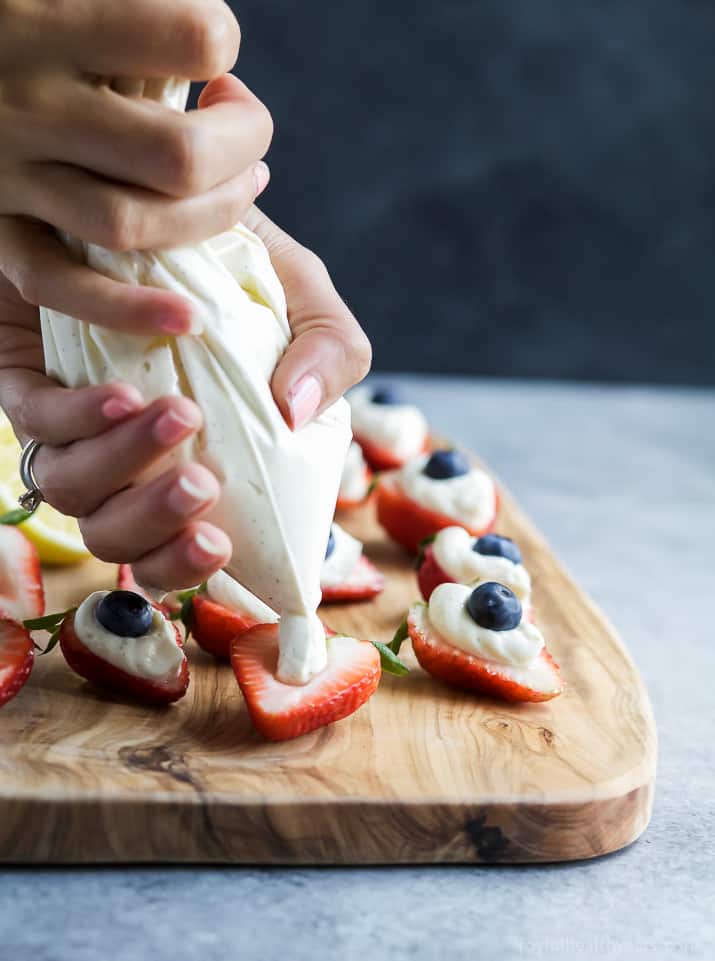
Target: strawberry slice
127 582
430 574
21 592
98 671
380 459
409 523
214 626
17 655
281 711
537 682
364 583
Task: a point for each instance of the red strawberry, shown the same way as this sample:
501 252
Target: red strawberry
17 655
346 504
430 574
21 593
380 459
364 583
538 682
408 523
126 582
214 626
95 669
280 711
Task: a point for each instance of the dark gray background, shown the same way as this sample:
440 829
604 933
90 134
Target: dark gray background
502 186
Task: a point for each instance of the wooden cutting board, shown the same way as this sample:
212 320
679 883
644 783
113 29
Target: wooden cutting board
422 773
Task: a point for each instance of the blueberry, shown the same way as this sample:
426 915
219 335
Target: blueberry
125 613
331 545
444 464
494 545
386 395
494 606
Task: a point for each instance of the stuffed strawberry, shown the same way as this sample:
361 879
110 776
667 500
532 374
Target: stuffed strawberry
127 582
221 610
348 575
280 711
432 492
356 482
455 556
477 638
389 430
118 640
17 654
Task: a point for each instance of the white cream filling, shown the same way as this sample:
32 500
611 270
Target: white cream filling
342 562
354 483
450 619
400 429
222 589
154 656
453 551
469 498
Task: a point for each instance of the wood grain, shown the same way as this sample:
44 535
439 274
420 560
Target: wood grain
423 773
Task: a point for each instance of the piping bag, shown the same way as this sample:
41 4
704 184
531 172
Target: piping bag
278 486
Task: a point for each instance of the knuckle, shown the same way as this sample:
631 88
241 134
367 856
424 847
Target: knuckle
118 227
183 150
211 38
359 352
66 500
26 281
264 126
98 546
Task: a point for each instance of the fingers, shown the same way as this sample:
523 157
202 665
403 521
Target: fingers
42 270
139 141
329 352
79 478
197 39
144 517
122 218
39 408
197 553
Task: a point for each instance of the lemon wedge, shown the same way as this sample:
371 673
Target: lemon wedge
57 538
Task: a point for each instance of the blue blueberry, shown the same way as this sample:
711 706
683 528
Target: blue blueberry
331 545
494 545
125 613
386 395
494 606
444 464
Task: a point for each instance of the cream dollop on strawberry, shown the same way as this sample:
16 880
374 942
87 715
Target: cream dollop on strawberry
465 493
455 550
382 419
355 482
341 557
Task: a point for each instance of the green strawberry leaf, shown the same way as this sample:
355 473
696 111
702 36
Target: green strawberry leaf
422 547
390 662
186 613
51 623
13 518
400 636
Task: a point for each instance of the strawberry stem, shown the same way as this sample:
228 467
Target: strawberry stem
13 518
389 661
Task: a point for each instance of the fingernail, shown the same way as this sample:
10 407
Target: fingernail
171 427
261 176
202 550
303 401
173 323
186 496
117 408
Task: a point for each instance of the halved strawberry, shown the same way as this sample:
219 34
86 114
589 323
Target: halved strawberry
348 503
214 626
364 583
537 682
280 711
430 574
127 582
95 669
17 655
21 592
409 523
380 459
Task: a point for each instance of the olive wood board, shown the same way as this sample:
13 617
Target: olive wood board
423 773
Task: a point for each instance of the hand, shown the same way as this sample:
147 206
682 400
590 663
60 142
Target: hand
93 157
98 440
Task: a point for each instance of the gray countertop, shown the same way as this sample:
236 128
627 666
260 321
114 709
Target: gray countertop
622 482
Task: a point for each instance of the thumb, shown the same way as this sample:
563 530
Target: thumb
329 352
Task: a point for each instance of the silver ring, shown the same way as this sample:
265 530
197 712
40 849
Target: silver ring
32 498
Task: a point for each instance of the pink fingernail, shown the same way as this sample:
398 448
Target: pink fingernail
173 323
117 408
186 496
202 550
303 401
171 427
261 175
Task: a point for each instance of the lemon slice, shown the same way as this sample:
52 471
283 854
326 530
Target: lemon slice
56 537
